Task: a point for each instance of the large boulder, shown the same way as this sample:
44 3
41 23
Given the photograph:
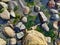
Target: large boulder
9 32
2 41
34 38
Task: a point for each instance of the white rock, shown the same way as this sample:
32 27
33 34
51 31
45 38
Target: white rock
20 35
13 41
45 27
58 4
48 39
55 25
12 13
42 17
9 31
5 14
2 41
4 5
54 11
5 0
24 19
21 26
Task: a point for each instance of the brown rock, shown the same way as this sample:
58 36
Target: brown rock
9 31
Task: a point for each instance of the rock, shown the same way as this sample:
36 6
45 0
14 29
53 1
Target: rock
55 25
34 37
12 4
48 39
26 10
51 4
42 17
58 41
36 8
2 42
56 16
4 5
9 31
5 15
24 19
5 0
19 35
21 26
13 41
45 27
58 4
12 13
54 11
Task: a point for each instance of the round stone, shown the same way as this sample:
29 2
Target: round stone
36 8
24 19
9 31
26 10
51 4
13 41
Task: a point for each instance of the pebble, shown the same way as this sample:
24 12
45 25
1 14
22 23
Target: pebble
5 14
13 41
45 27
48 39
4 5
9 31
19 35
42 17
24 19
36 8
2 42
51 4
5 0
55 24
12 13
21 26
26 10
56 16
54 11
